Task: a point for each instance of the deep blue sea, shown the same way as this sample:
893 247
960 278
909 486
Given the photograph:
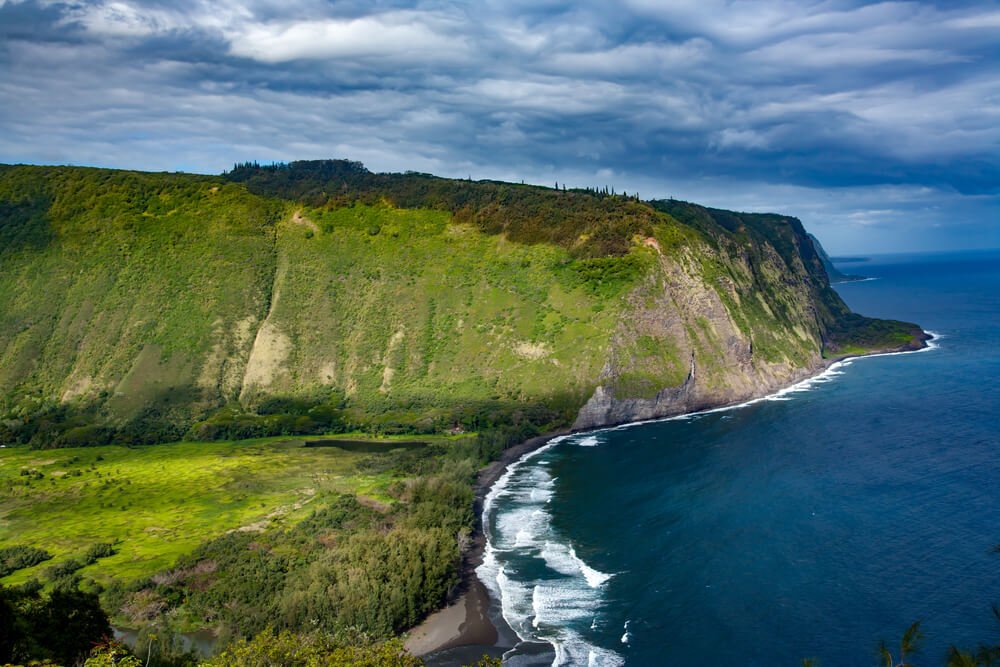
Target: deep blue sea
813 525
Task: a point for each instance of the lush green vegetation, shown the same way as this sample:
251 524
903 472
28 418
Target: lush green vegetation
318 297
58 626
317 300
287 649
242 537
312 650
853 334
68 628
18 557
156 504
587 222
115 286
136 306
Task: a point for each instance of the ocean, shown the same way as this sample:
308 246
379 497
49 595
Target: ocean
813 524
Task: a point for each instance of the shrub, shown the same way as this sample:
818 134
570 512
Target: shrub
286 649
19 557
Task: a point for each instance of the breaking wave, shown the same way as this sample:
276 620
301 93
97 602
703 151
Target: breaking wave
547 591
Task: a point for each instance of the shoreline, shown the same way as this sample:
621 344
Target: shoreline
474 619
473 623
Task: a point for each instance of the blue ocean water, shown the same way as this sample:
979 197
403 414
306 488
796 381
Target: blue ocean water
812 526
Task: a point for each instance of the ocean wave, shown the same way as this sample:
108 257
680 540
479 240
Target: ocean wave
594 578
556 603
560 557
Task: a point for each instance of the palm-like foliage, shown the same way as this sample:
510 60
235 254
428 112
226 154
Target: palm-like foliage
984 656
907 646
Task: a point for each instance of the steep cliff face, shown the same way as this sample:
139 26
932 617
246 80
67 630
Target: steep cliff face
745 309
833 273
712 360
138 298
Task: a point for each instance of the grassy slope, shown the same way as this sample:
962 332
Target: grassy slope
368 306
125 283
131 294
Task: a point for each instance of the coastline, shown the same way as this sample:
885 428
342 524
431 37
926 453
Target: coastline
474 620
473 624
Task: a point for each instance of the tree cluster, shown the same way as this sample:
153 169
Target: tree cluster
60 626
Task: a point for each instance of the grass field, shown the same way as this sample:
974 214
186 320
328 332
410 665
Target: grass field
158 503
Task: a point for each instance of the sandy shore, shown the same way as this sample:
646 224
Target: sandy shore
463 623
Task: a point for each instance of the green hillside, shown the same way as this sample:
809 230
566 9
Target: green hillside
317 296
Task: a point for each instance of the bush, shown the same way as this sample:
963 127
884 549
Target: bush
65 568
19 557
99 550
86 436
61 626
286 649
112 654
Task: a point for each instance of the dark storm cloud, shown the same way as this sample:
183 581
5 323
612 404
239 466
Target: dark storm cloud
865 115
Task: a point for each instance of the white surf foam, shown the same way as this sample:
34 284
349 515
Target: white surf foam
562 558
556 607
627 636
589 441
573 649
594 578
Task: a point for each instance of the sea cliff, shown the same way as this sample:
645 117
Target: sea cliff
319 296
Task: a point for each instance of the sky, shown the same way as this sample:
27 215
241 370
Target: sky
877 124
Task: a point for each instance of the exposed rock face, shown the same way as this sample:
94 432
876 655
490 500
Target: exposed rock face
742 320
679 310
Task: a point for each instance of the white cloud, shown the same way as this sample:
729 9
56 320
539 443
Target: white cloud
646 59
733 138
988 21
120 19
837 51
548 94
393 35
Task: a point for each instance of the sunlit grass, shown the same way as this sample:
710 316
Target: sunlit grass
159 502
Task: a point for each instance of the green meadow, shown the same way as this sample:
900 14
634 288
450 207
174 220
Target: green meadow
158 503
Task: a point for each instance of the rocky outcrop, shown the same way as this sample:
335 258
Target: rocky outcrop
746 317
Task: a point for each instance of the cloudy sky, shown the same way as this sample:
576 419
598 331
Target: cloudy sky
878 124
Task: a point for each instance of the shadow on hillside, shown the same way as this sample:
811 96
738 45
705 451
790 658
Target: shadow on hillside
24 224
